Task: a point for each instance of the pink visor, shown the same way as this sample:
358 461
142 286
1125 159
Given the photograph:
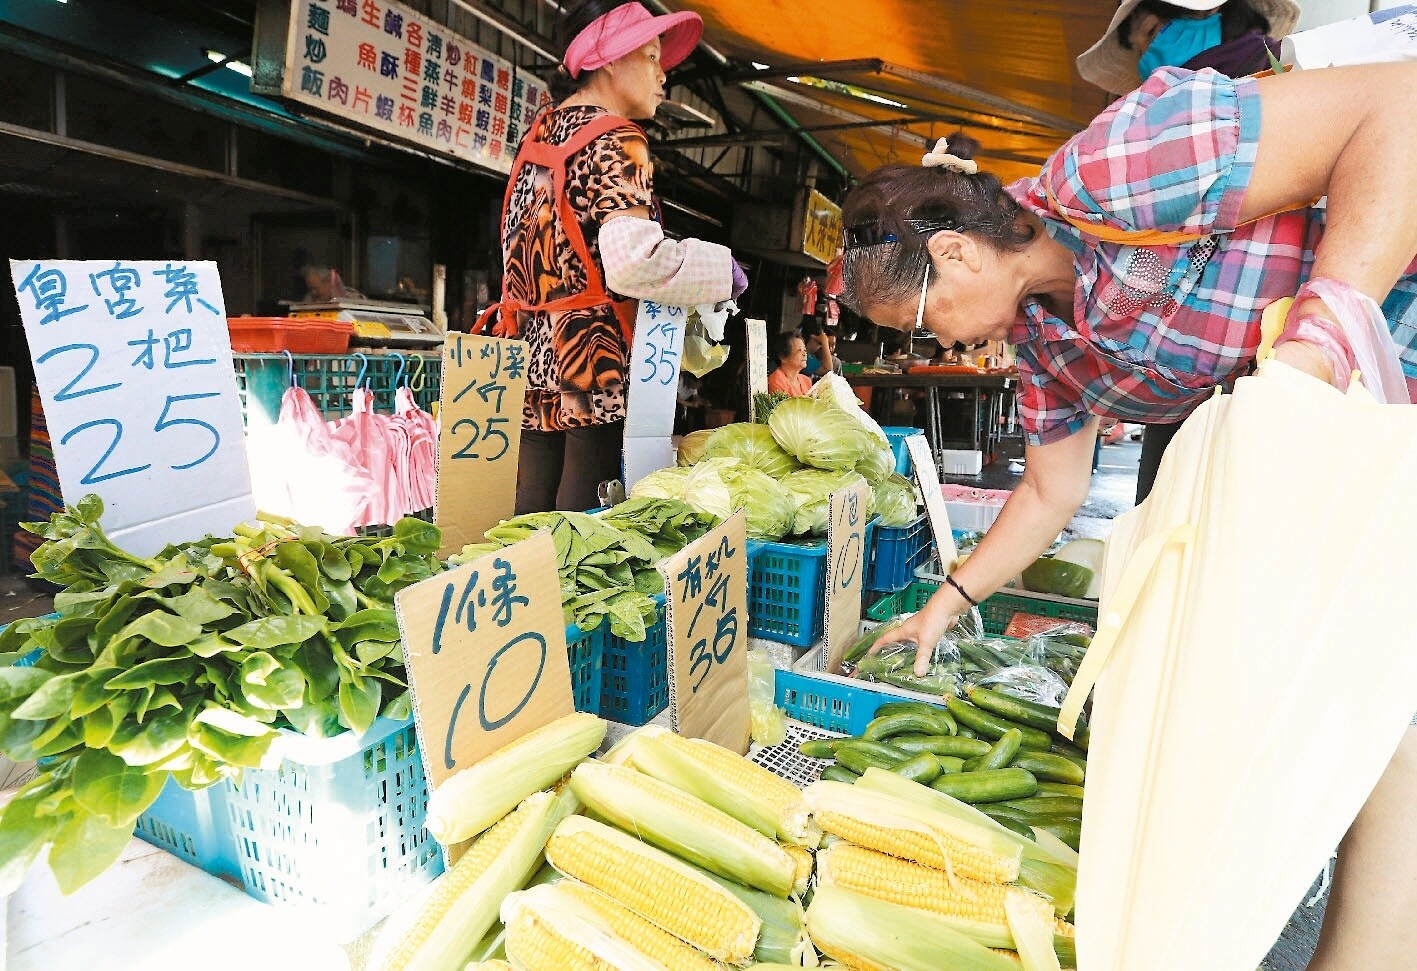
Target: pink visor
625 30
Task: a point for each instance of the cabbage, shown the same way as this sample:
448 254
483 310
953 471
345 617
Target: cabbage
878 464
754 446
811 489
664 484
895 500
819 434
718 486
691 446
834 388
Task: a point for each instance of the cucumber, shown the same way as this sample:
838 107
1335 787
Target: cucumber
1017 826
921 768
1032 713
902 723
1050 767
964 731
1059 789
1048 805
965 748
896 707
993 726
882 750
839 773
1065 748
993 785
1000 755
858 758
863 644
1067 830
819 748
950 763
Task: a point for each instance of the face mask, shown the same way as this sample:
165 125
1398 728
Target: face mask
1178 42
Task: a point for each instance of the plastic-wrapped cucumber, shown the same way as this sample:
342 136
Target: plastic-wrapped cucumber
866 641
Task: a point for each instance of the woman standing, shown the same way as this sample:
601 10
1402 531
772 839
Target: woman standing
581 243
788 377
1131 275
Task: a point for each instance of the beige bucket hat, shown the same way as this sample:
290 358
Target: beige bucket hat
1113 68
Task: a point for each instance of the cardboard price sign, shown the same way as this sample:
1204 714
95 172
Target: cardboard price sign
846 570
757 362
133 362
479 435
486 654
707 597
929 478
653 390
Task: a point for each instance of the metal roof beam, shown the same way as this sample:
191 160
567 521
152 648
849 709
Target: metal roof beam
924 78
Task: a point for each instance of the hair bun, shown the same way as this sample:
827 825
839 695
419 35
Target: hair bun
963 146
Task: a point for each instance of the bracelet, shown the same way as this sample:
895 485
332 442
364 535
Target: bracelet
960 590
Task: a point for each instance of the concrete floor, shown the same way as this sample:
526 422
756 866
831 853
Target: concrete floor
1113 491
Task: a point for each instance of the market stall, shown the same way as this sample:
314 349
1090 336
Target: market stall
987 397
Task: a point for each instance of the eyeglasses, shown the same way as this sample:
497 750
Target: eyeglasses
920 310
872 234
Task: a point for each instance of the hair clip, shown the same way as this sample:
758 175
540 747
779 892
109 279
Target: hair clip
872 234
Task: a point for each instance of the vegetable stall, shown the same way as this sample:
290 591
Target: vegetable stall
223 677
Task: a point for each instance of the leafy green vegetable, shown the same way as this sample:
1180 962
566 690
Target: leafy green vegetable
820 434
606 562
691 446
894 500
753 446
720 486
764 402
811 490
662 484
186 666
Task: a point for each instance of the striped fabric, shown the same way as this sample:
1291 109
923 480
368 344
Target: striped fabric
43 497
1157 328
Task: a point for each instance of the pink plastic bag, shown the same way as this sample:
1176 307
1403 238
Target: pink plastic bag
369 438
1363 342
420 464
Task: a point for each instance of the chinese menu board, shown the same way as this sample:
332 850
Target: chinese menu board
133 363
386 67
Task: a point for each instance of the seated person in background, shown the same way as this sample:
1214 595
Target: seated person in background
791 352
821 350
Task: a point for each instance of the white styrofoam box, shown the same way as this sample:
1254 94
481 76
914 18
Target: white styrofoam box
961 461
972 515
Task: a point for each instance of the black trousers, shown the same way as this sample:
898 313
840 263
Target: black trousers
562 470
1154 440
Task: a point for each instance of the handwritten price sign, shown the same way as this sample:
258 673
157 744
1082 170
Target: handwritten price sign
846 570
707 587
134 366
486 654
479 438
654 389
928 476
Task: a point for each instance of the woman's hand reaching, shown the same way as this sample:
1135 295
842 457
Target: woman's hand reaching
924 630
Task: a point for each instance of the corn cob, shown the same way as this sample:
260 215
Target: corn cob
658 887
1044 867
463 904
783 938
912 885
872 935
494 964
547 930
802 857
889 825
688 827
659 944
727 781
475 798
1032 928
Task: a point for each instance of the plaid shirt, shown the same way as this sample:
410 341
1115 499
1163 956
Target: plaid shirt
1157 328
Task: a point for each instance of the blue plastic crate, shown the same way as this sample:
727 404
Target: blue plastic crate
194 827
786 589
896 435
896 552
835 703
337 831
634 677
585 652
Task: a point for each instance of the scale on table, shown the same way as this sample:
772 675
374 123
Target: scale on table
378 323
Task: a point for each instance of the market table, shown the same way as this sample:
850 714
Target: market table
994 386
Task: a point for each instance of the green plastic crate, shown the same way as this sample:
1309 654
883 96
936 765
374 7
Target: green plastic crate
261 380
997 610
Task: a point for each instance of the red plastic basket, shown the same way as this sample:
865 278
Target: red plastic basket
266 335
